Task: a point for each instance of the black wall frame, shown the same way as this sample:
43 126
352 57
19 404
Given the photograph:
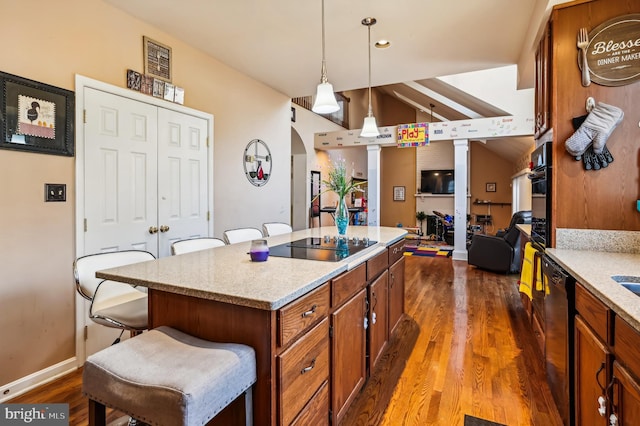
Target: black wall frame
60 140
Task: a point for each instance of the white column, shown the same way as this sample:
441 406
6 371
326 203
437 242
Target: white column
373 184
461 147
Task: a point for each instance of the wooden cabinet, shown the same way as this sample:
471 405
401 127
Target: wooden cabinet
396 294
317 411
348 284
302 370
626 396
348 353
378 318
377 264
607 366
543 84
311 354
593 360
298 316
625 383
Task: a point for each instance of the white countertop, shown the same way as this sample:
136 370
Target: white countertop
227 274
593 269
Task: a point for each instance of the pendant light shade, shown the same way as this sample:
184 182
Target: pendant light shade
325 102
370 127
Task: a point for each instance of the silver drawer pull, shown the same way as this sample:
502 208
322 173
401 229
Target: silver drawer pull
309 368
310 312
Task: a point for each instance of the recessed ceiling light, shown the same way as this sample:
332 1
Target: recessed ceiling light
383 44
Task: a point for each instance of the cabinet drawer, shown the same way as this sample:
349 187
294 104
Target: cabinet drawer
298 316
348 284
302 369
396 251
627 342
595 313
316 412
377 264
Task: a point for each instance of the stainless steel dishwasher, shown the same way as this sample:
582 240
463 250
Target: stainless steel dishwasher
559 311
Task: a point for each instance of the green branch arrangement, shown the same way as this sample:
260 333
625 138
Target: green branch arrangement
337 181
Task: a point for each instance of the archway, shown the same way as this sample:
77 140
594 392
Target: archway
300 187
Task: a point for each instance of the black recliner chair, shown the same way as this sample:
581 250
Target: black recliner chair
500 252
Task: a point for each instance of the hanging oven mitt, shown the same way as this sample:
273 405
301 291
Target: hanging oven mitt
591 160
596 129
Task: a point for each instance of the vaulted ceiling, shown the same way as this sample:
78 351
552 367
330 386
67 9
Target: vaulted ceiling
279 43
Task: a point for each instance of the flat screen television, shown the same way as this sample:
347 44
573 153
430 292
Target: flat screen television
437 182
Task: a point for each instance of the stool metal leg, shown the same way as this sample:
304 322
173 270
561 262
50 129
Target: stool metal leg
248 407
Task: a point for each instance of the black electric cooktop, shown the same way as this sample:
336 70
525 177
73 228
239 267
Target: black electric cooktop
324 248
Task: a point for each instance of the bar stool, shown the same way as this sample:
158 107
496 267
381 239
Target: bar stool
167 377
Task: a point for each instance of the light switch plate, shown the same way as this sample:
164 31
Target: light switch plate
55 192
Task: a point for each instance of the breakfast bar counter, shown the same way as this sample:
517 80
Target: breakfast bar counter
293 312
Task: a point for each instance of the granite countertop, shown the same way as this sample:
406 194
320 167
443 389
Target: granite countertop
593 269
227 274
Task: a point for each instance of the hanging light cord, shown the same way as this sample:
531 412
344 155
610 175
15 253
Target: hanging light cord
370 113
323 72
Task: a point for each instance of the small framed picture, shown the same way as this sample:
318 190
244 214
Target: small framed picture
158 88
134 80
398 193
157 59
491 187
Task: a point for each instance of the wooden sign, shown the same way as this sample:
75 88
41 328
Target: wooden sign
613 54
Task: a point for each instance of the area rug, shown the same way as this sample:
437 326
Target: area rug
428 250
475 421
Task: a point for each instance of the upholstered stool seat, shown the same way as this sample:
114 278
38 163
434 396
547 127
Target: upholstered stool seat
166 377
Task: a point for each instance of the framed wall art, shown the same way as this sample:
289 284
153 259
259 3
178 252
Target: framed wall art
398 193
36 117
491 187
157 59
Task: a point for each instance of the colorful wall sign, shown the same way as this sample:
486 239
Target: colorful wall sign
415 134
613 54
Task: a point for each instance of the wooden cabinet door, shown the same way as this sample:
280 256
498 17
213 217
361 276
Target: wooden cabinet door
378 318
543 84
348 350
626 396
592 373
396 294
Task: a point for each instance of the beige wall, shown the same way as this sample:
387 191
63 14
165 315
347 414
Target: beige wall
486 167
51 42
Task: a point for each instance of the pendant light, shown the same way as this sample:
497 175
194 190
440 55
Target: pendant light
369 128
325 102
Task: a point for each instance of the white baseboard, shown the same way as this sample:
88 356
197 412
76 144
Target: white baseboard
25 384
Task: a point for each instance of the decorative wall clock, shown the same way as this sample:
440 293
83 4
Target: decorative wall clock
257 162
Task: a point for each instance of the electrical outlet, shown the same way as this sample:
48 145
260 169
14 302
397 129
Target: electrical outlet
55 192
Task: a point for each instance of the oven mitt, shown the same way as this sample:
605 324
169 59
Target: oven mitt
596 129
591 160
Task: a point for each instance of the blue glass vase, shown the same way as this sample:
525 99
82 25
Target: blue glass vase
342 216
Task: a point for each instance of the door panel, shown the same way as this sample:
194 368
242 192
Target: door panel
145 169
120 173
182 184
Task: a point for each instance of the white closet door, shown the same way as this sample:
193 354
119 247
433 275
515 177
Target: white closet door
120 173
182 181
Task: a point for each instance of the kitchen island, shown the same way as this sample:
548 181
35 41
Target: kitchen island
317 326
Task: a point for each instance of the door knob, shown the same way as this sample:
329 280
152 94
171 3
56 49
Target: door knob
164 228
153 230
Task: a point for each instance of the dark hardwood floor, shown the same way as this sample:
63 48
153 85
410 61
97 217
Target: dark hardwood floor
463 347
